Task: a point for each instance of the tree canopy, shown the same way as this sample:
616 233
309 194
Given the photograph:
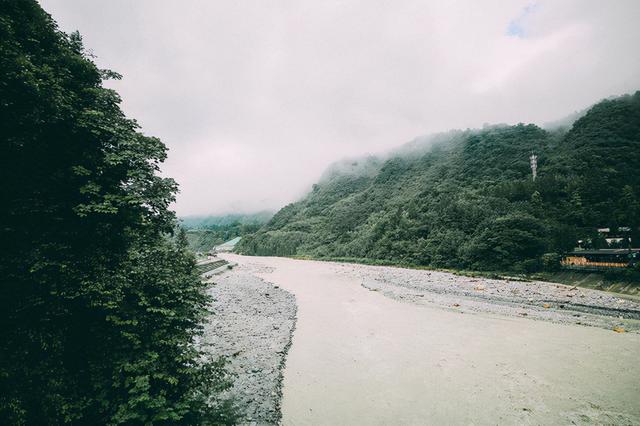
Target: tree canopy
467 199
99 303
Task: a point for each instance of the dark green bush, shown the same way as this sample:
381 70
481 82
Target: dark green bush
99 305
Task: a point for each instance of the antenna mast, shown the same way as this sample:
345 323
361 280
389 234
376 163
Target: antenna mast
534 165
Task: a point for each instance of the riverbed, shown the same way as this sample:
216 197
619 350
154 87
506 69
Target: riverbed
363 357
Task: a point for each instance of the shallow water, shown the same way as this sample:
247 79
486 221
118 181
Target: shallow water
361 358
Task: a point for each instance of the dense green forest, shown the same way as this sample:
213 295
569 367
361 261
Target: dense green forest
202 240
206 232
467 200
209 221
100 302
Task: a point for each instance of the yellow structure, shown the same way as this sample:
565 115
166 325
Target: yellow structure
583 261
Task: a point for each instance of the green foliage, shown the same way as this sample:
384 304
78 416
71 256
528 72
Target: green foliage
99 306
212 221
551 261
505 242
204 239
467 200
206 232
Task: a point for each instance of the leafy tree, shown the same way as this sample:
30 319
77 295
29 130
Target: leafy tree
506 241
204 239
99 306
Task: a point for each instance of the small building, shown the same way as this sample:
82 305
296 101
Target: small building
614 241
601 259
616 237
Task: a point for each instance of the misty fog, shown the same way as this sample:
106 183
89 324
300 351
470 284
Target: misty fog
256 99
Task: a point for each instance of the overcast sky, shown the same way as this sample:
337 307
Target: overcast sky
255 98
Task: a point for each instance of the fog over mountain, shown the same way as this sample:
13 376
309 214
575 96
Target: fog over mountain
256 99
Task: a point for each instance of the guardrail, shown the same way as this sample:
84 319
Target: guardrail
210 266
593 267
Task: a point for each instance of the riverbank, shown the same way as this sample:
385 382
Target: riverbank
586 279
532 299
500 294
362 357
251 327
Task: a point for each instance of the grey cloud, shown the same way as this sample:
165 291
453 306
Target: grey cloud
255 99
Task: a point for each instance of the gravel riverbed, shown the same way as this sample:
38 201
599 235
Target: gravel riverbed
532 299
255 319
435 348
252 326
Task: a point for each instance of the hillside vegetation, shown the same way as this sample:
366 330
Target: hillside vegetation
205 222
467 200
204 233
100 304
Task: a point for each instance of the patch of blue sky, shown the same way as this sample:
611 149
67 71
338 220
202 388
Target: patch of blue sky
516 27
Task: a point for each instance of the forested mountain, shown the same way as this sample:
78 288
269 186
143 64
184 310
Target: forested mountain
209 221
100 304
205 232
466 199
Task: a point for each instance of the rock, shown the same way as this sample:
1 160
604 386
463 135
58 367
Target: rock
505 297
252 327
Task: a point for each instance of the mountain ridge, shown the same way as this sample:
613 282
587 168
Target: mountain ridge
466 198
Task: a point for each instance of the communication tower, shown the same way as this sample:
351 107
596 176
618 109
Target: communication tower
534 165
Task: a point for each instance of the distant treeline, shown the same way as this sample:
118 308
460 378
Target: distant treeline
100 302
206 232
467 200
203 240
218 221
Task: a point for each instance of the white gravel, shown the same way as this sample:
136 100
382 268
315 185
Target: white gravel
252 326
360 357
533 299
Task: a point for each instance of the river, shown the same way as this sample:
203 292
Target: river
360 358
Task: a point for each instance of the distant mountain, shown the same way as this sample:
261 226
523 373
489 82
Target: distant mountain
208 221
466 199
566 122
206 232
